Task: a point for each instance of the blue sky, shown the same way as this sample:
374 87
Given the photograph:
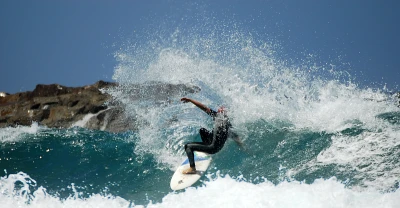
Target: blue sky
73 42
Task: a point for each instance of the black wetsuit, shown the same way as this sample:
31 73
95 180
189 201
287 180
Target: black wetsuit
212 142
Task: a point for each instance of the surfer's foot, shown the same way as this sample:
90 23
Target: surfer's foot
189 171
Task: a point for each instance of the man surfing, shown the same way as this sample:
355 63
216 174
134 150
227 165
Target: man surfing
212 142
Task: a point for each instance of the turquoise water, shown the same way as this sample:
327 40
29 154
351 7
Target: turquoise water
312 137
77 164
94 161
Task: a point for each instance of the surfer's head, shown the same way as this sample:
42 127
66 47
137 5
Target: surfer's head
222 109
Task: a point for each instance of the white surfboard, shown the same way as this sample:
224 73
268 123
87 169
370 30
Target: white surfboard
181 181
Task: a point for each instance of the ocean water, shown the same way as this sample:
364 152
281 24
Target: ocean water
313 137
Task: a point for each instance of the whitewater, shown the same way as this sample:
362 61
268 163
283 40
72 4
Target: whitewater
313 137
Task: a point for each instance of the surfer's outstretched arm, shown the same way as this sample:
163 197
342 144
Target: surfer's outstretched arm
197 103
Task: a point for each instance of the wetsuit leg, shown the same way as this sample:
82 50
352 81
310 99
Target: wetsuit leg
208 145
201 147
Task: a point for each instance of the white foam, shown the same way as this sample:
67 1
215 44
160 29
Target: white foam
82 123
15 134
338 106
227 192
371 154
28 195
218 192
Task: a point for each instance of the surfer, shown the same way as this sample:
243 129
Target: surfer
212 142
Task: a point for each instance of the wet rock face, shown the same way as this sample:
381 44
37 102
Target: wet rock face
59 106
52 105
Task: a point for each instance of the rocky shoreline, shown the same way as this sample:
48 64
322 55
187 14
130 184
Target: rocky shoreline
58 106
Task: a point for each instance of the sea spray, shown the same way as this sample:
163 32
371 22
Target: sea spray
312 136
308 107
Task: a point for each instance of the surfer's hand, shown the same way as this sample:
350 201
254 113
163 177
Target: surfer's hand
185 100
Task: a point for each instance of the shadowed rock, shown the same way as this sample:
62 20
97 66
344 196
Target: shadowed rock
58 106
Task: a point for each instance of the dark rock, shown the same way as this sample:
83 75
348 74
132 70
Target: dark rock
52 105
50 90
58 106
113 120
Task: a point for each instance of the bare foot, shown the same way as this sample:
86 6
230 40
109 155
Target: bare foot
190 171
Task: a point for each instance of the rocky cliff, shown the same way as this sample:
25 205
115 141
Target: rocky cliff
58 106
